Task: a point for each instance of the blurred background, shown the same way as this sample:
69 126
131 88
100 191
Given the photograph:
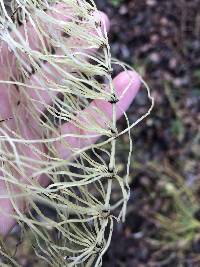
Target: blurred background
161 40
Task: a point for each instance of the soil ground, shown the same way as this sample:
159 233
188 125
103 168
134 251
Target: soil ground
161 39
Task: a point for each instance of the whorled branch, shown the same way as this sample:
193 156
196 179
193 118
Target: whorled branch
59 109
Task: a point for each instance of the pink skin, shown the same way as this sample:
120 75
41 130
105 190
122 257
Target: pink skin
123 80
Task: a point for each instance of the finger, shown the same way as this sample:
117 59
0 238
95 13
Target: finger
50 74
126 80
31 35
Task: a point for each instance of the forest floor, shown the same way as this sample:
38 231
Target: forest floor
161 40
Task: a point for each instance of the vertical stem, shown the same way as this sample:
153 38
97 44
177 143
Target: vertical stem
113 150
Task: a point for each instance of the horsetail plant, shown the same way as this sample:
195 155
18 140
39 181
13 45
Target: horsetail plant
62 99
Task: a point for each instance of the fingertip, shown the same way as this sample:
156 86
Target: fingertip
105 22
127 85
127 82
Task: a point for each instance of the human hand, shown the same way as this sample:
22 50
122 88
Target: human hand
11 101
